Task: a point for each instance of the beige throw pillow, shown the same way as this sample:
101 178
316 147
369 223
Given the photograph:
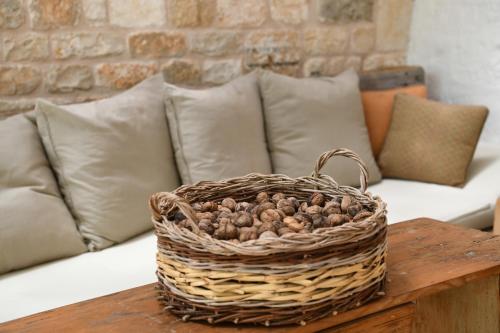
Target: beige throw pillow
35 224
110 156
218 132
306 117
430 141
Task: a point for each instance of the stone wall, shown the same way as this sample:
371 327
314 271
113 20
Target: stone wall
78 50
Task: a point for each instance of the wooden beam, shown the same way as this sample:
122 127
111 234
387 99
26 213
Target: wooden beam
496 219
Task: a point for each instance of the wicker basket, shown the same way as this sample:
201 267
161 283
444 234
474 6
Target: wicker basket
293 279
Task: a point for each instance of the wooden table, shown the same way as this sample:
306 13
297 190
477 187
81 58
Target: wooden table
441 278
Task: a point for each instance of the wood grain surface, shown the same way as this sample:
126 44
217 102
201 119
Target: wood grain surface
425 257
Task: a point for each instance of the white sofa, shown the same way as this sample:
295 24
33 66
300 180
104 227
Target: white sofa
132 263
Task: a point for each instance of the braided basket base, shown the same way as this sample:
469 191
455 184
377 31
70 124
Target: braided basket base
188 310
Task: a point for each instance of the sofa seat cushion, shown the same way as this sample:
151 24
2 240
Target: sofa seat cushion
471 206
79 278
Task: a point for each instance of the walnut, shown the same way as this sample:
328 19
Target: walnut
312 210
206 226
331 207
262 197
277 197
316 199
197 206
205 216
336 219
362 215
286 207
209 206
284 231
226 230
293 224
229 203
303 218
294 202
242 206
264 206
221 208
354 209
266 226
267 235
303 207
346 202
248 233
243 219
270 215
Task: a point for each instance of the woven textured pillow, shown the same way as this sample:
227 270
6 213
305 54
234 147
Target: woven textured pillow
35 224
430 141
109 157
218 132
378 105
305 117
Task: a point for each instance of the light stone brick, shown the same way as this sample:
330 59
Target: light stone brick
289 11
94 11
183 71
26 47
393 19
47 14
353 62
19 80
87 44
157 44
68 78
183 13
376 61
221 71
216 43
11 14
137 13
324 66
326 40
272 47
123 75
237 13
363 39
342 11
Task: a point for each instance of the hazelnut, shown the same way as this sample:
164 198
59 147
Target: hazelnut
243 219
286 207
229 203
346 202
206 226
362 215
268 235
284 231
292 224
264 206
270 215
312 210
262 197
247 233
277 197
316 199
209 206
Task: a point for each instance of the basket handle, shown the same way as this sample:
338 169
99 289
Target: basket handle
164 202
363 176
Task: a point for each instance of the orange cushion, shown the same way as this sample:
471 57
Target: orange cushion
378 105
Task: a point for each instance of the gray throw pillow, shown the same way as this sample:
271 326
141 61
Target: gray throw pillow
218 132
109 157
35 224
306 117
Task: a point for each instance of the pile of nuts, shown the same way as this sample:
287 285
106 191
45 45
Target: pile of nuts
271 216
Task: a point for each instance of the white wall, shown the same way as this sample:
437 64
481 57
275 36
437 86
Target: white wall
458 44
